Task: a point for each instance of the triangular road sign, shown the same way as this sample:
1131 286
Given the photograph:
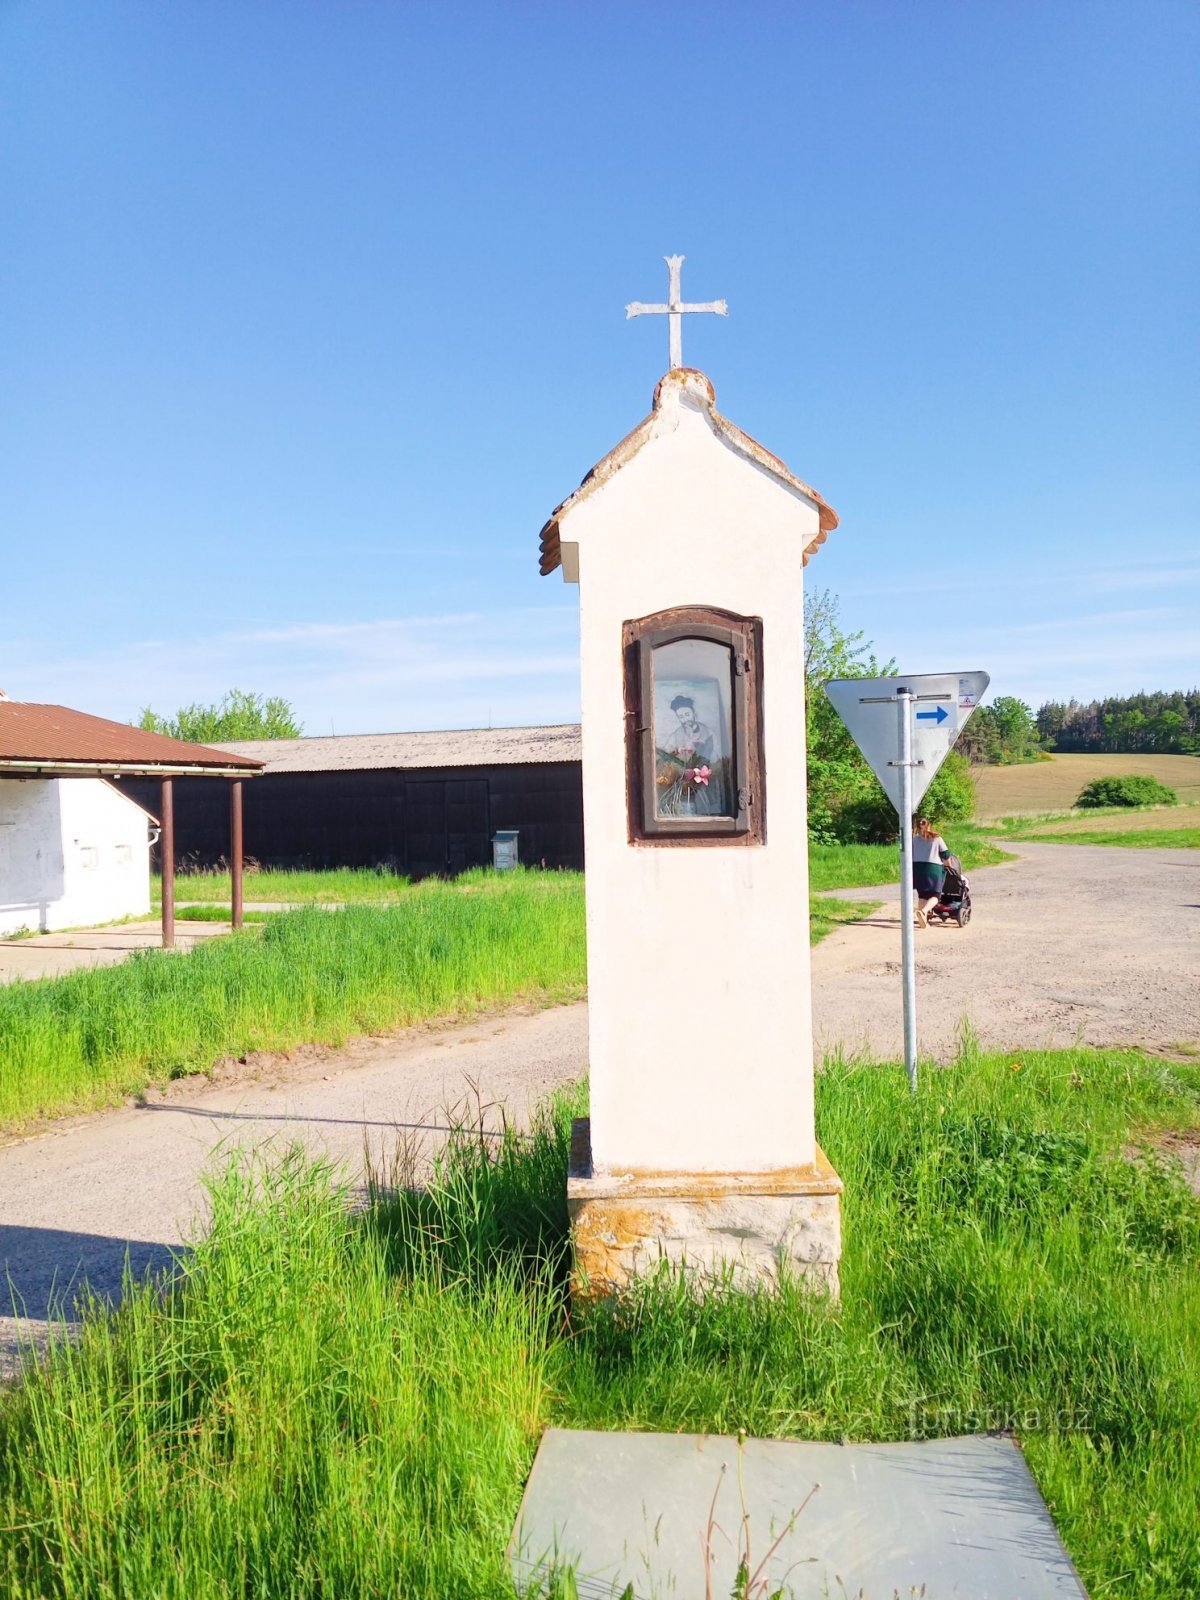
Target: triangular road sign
869 708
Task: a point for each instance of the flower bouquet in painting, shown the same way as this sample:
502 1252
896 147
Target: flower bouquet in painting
688 785
692 771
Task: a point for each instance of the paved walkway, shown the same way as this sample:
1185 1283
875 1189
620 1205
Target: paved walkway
1103 944
49 955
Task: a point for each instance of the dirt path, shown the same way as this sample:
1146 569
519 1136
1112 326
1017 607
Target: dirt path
1068 941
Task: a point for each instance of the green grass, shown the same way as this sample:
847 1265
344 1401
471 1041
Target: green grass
1128 838
218 913
827 914
830 867
328 1403
308 976
1111 825
348 884
93 1037
853 866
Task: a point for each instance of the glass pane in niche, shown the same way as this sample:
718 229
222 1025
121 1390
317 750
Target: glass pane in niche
693 729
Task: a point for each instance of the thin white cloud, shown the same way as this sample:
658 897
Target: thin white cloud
1074 581
465 669
1098 623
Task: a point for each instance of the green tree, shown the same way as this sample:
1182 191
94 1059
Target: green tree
980 742
240 715
1017 729
837 773
871 818
1169 732
845 803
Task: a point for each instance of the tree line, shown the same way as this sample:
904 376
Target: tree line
1148 724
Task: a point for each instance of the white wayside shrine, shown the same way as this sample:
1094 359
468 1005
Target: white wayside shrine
688 542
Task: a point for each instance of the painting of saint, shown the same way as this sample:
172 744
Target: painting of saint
692 732
691 737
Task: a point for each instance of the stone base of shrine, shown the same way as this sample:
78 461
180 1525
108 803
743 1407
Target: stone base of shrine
750 1229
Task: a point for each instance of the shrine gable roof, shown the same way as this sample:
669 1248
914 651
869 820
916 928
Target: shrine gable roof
698 386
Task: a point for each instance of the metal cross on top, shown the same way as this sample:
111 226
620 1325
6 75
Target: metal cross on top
675 310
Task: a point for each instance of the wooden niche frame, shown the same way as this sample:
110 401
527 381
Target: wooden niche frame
743 637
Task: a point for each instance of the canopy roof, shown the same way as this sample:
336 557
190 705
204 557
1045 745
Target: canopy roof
54 742
460 747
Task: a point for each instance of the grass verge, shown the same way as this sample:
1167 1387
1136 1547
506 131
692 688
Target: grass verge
855 866
330 1403
1126 838
309 976
1143 828
1159 827
340 884
826 914
90 1038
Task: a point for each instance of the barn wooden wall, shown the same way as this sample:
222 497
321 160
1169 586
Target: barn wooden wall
419 822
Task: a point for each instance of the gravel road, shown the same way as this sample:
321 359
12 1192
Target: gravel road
1069 941
1087 942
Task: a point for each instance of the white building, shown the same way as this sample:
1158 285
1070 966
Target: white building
73 851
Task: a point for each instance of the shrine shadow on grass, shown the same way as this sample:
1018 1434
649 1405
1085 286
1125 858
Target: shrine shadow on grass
51 1277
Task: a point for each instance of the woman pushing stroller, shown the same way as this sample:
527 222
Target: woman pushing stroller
929 874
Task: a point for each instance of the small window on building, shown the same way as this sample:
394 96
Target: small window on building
124 855
89 856
693 715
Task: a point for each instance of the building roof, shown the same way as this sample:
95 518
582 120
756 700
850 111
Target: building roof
696 384
53 741
462 747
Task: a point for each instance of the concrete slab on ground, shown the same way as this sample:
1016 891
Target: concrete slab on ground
672 1513
50 955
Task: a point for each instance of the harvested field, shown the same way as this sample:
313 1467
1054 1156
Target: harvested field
1054 785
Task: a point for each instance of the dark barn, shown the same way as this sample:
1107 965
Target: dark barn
419 803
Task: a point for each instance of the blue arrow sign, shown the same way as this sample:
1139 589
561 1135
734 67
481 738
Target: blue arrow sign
939 716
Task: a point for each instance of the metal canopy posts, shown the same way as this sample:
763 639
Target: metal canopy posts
166 845
235 852
167 851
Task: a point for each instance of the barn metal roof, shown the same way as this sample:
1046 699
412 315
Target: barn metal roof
620 455
53 741
462 747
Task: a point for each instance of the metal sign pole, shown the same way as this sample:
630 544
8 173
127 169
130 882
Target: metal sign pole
904 755
908 961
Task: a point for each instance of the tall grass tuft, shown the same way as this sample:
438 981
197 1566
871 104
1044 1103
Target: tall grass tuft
293 1416
308 976
329 1403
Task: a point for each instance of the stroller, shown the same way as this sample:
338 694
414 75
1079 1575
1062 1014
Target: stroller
954 904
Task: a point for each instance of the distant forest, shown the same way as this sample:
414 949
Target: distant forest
1149 724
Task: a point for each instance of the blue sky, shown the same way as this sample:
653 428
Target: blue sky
312 312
